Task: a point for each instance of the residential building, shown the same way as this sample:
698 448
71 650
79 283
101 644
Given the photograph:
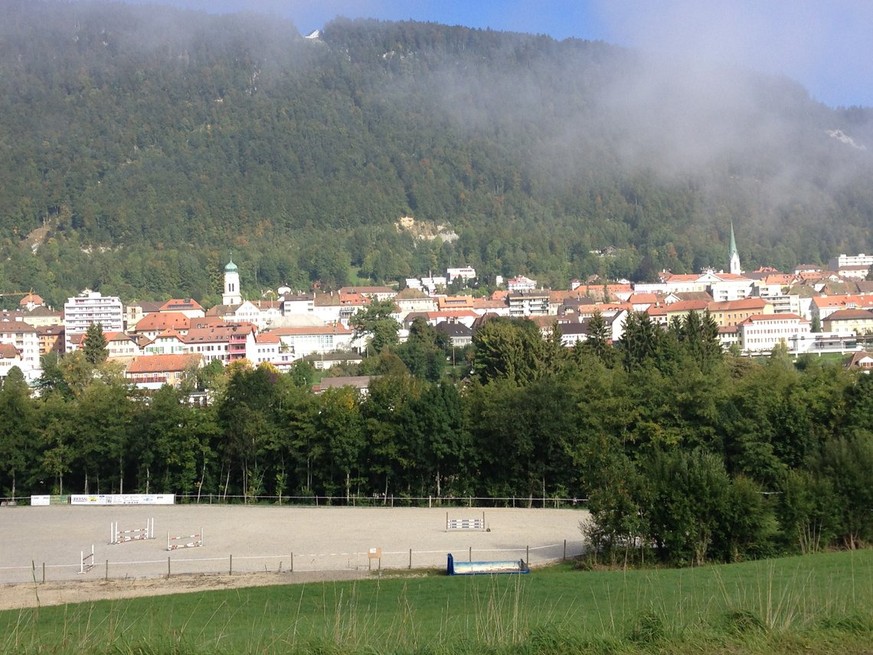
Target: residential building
359 382
154 324
849 322
9 358
43 316
302 341
521 283
824 306
414 300
846 261
465 273
154 371
51 339
860 360
187 306
730 313
334 307
371 293
25 340
528 303
121 346
136 311
434 284
88 308
761 333
298 304
458 334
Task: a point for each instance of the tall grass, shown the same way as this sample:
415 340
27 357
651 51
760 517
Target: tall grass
819 603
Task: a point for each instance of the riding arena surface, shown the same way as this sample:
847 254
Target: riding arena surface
254 545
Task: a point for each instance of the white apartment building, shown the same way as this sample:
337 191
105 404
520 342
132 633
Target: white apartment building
465 273
528 303
521 283
303 341
847 261
761 333
91 307
25 341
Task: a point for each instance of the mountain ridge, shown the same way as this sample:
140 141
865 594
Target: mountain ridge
173 136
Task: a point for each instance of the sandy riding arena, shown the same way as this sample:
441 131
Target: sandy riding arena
41 548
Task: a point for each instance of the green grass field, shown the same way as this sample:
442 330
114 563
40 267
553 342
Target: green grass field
821 603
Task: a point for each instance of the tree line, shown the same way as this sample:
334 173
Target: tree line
677 448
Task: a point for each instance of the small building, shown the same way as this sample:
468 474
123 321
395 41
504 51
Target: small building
458 334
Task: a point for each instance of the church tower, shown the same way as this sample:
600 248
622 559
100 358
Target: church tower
231 295
734 265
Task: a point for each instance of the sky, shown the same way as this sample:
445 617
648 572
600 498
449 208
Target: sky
826 45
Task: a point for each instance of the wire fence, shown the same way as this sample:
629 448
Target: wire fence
529 502
283 564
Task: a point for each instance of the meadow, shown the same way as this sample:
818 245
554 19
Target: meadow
818 603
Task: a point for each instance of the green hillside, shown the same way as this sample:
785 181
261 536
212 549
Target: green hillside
138 145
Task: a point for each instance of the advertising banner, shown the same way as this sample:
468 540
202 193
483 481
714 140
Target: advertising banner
122 499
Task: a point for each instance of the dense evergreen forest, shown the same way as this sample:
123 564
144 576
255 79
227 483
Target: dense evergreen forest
138 145
700 454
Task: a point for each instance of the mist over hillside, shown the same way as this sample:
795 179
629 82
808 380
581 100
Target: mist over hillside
145 143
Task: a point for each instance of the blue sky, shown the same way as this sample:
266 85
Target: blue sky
827 45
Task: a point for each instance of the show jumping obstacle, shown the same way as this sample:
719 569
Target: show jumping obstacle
174 543
465 523
117 536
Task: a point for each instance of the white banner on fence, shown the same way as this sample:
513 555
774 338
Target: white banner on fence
123 499
40 500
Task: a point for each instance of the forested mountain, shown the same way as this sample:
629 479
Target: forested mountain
139 145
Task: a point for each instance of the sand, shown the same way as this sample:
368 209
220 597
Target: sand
246 546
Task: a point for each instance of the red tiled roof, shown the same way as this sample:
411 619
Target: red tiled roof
180 304
762 318
737 305
161 363
163 321
850 315
336 328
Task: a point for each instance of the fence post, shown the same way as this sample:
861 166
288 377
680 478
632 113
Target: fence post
43 572
168 566
106 575
564 558
292 562
410 558
230 568
470 554
527 555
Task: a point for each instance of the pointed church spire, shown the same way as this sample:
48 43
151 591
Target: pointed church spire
733 255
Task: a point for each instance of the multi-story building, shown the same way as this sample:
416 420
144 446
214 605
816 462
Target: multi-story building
308 340
849 322
88 308
847 261
521 283
465 273
761 333
730 313
22 348
528 303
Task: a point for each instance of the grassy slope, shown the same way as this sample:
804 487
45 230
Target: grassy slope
822 602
